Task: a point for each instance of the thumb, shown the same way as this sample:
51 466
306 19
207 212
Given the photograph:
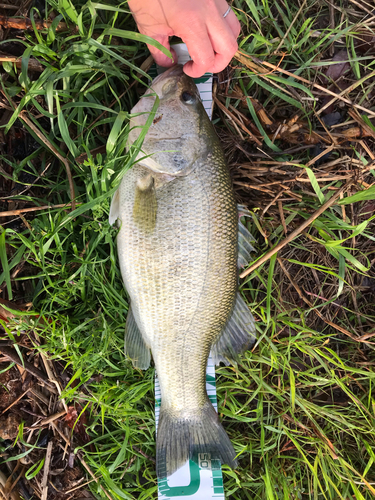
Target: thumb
160 58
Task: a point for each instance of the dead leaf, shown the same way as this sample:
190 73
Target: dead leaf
335 71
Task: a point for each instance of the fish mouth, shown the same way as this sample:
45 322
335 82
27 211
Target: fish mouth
174 71
179 80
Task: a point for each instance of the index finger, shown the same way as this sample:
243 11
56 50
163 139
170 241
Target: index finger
201 52
160 58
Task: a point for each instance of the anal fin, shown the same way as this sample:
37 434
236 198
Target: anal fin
135 347
239 334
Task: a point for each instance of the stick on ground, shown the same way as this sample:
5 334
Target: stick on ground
297 231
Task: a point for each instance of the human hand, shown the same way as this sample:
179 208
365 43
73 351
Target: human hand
211 39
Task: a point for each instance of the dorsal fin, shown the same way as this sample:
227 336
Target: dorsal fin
244 239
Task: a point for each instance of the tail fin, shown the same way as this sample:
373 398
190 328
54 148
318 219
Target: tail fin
180 439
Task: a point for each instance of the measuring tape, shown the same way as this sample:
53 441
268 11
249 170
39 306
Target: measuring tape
202 480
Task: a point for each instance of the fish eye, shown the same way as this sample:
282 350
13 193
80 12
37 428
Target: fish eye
188 98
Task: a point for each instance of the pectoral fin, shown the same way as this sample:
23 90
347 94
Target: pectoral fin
145 203
114 211
238 335
135 346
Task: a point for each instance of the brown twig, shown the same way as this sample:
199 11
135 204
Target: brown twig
52 378
244 59
15 401
13 356
47 463
362 7
236 120
8 6
361 122
9 491
281 212
78 487
13 496
26 24
53 417
368 151
296 232
320 155
34 209
33 64
347 91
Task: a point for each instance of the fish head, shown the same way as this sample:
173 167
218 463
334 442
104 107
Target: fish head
176 140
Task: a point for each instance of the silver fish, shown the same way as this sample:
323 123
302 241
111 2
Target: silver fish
178 248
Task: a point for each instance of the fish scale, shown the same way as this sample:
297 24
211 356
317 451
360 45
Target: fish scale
179 272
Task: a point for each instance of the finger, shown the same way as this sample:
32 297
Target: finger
233 23
160 58
201 52
223 41
230 19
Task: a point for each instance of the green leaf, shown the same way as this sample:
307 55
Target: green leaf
254 12
117 57
34 469
267 140
68 7
64 131
366 119
130 35
276 91
269 285
315 185
24 79
85 105
8 66
366 194
115 131
122 453
348 256
102 6
36 33
51 36
342 267
292 381
4 263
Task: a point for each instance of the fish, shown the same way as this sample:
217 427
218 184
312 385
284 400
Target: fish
179 246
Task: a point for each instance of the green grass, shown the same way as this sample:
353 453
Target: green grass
299 409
